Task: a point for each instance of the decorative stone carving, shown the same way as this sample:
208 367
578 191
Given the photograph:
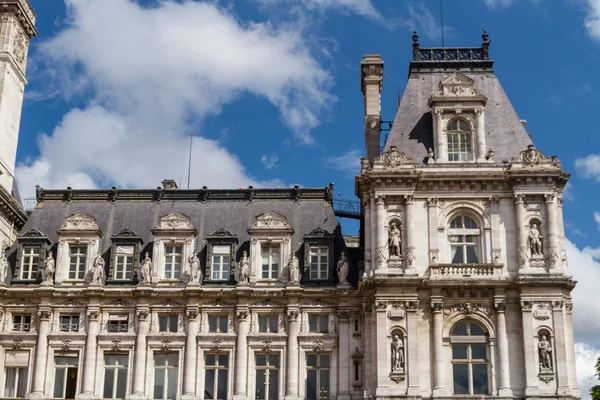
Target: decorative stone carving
174 221
380 255
457 85
80 222
434 256
44 314
553 257
146 269
242 315
17 344
558 305
116 344
468 308
342 270
393 158
496 255
266 345
3 267
216 344
195 271
545 353
396 313
318 345
542 312
296 193
523 256
531 156
49 269
143 315
535 241
93 315
343 315
220 303
98 269
168 303
165 343
397 354
394 241
410 255
381 305
271 220
412 305
526 305
192 314
66 344
293 270
203 195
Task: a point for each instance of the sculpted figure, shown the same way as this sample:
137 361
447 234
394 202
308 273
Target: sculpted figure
397 354
49 269
294 270
3 267
342 268
535 241
244 269
394 240
98 269
545 350
195 272
145 269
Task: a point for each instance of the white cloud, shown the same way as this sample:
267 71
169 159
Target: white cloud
269 162
361 7
349 162
589 167
597 218
592 20
154 73
568 192
497 3
585 359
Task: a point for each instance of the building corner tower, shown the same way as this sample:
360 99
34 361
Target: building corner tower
17 27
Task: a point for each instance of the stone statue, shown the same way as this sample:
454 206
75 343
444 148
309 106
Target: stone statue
535 241
195 272
49 269
394 241
397 354
145 269
545 350
98 269
342 269
3 267
243 275
293 270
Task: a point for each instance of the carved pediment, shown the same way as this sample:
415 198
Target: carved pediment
80 221
174 221
270 220
219 233
532 157
457 85
32 234
392 158
319 233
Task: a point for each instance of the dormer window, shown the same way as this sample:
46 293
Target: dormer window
125 253
77 262
174 244
30 262
33 247
460 140
270 262
318 258
220 256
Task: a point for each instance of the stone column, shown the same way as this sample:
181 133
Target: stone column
412 348
522 251
409 229
367 226
367 312
139 366
570 342
373 224
345 372
530 349
439 381
434 247
561 233
380 234
91 346
383 365
241 354
503 363
441 152
191 354
560 349
480 120
291 387
552 232
41 354
496 242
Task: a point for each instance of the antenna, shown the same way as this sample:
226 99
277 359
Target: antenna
190 161
442 20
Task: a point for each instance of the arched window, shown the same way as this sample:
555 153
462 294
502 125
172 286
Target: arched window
470 365
460 140
464 240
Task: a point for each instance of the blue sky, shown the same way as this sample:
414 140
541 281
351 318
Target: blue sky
270 91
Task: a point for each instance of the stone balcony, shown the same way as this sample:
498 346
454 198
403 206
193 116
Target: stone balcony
462 271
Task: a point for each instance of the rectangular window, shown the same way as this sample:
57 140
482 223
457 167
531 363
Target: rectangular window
319 262
69 323
16 365
356 371
166 366
168 323
216 371
115 376
356 326
173 257
270 262
268 323
221 261
21 323
218 323
65 377
30 263
267 376
317 376
123 263
318 323
118 323
77 262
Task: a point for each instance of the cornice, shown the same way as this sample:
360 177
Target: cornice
24 13
11 209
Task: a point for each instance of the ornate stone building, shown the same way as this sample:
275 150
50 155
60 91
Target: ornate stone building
460 288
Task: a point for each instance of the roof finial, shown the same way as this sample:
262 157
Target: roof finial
416 52
485 37
415 38
485 45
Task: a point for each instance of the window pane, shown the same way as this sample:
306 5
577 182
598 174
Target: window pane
459 351
224 360
311 385
311 360
261 360
109 376
260 384
173 359
324 384
223 323
160 359
457 254
273 384
121 383
209 384
324 328
480 379
159 381
262 323
162 323
472 254
312 323
11 380
211 359
476 330
173 323
222 384
460 329
324 361
59 381
274 360
461 378
273 325
221 249
172 383
478 351
212 323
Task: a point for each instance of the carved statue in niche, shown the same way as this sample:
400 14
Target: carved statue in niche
243 269
145 269
293 270
343 269
394 241
545 350
535 241
49 269
98 269
195 272
3 266
397 354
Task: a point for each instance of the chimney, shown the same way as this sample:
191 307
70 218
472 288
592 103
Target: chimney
169 184
371 81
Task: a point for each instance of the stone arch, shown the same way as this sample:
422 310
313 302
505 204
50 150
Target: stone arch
477 316
468 207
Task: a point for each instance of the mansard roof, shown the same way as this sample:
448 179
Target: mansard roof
412 130
209 211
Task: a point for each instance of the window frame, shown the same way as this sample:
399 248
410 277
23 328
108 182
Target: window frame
469 340
268 321
125 238
80 267
122 320
66 367
221 237
218 323
460 140
273 274
166 367
224 274
33 238
24 324
20 364
318 368
115 367
71 324
173 256
170 318
464 244
217 367
318 238
320 318
268 368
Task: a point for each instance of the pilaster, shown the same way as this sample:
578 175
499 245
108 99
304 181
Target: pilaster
410 245
241 354
91 346
439 381
412 347
191 354
380 233
41 354
291 383
344 372
502 340
529 348
552 233
560 347
139 366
